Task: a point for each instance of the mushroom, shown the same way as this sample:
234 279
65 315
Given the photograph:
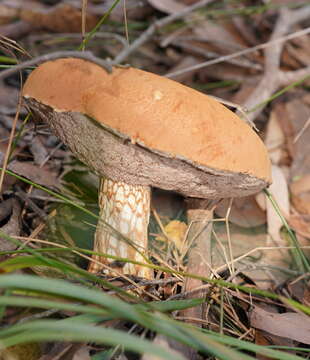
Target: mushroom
138 130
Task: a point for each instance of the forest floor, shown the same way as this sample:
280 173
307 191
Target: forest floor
252 299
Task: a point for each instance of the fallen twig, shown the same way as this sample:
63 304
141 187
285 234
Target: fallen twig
239 53
86 55
273 77
147 34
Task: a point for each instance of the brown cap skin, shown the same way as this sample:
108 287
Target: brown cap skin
156 113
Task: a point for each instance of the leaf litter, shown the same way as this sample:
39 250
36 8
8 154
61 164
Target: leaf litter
250 245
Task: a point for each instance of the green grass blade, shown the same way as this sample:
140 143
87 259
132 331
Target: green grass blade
98 25
49 330
303 260
65 289
32 302
279 93
245 345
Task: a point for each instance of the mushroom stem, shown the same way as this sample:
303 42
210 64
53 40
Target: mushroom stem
126 208
199 214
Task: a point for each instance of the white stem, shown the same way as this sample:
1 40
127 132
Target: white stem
126 208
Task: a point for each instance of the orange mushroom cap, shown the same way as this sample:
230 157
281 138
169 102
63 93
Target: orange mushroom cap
160 118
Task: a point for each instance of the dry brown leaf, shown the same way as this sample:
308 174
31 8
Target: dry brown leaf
266 339
262 340
223 36
261 200
15 30
185 62
244 212
246 88
279 191
40 175
82 353
59 18
282 116
167 6
7 14
275 138
5 208
38 150
302 55
164 342
248 32
135 10
300 190
282 2
298 114
301 185
300 48
12 227
299 289
261 266
295 326
300 225
8 99
243 240
306 298
8 181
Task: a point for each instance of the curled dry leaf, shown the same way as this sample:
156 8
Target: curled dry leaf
12 227
300 50
275 138
299 289
167 6
59 18
244 241
42 176
8 99
266 339
223 35
15 30
299 224
135 10
244 212
279 191
183 63
300 190
82 353
295 326
7 14
38 150
5 209
298 114
164 342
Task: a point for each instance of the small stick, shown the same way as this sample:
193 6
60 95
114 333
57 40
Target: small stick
273 77
239 53
85 55
240 108
148 33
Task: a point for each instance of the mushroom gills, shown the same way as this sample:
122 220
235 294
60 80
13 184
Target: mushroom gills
122 228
